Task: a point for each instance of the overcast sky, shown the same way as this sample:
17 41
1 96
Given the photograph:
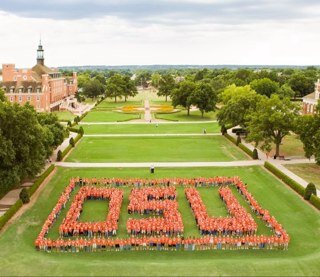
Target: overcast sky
123 32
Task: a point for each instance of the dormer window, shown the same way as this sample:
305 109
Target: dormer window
38 90
20 90
29 89
11 89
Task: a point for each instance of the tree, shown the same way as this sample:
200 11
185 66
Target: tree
182 95
24 196
286 91
301 84
166 85
115 87
310 189
155 80
59 156
2 95
204 98
272 120
238 102
265 86
93 88
129 87
71 142
308 128
83 79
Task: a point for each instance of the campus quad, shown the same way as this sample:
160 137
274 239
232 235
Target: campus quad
298 219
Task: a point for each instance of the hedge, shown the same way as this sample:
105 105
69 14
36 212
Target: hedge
231 138
39 180
246 149
69 147
285 178
315 201
10 213
74 130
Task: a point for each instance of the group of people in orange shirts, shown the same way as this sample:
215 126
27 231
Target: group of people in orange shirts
159 233
156 201
240 222
71 225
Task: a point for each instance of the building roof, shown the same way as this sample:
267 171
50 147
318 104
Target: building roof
42 69
24 84
310 96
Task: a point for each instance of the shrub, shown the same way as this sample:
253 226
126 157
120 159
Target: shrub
59 156
81 131
238 140
286 179
315 201
223 130
24 196
71 141
40 179
231 138
69 123
9 213
255 155
245 149
310 189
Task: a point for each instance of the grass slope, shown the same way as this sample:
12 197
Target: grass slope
302 222
182 116
155 149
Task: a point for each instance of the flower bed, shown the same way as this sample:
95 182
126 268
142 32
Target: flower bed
164 229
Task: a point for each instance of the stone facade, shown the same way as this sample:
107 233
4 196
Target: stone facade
310 101
43 87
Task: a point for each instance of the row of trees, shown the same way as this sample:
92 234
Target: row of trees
27 139
115 86
269 119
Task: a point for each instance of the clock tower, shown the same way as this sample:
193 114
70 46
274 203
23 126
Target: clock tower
40 56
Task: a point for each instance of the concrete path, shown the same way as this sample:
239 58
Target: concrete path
147 112
160 164
141 122
153 135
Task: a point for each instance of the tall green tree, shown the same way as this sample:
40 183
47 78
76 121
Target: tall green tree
129 87
301 84
182 95
93 88
155 79
265 86
308 128
272 120
237 102
204 98
115 87
166 85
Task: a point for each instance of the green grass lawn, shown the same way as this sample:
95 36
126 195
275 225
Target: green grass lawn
168 128
155 149
183 116
302 222
109 116
308 172
108 103
65 115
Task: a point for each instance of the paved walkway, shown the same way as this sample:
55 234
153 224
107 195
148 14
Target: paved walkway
141 122
153 135
147 112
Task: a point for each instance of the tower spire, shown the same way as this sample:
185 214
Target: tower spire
40 55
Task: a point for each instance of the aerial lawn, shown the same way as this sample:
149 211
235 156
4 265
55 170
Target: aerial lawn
64 115
308 172
110 116
302 222
110 104
155 149
183 116
153 128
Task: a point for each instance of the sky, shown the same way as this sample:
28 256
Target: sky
146 32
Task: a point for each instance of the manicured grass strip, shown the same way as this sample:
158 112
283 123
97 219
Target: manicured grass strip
94 210
210 197
183 116
308 172
151 128
110 116
155 149
300 220
39 180
290 182
108 103
64 115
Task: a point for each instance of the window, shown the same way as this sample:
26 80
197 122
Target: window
25 77
38 90
20 98
29 89
38 98
20 90
28 98
11 89
11 98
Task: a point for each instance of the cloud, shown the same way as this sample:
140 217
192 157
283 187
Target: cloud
167 11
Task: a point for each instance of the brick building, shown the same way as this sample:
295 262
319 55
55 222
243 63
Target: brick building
310 101
43 87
